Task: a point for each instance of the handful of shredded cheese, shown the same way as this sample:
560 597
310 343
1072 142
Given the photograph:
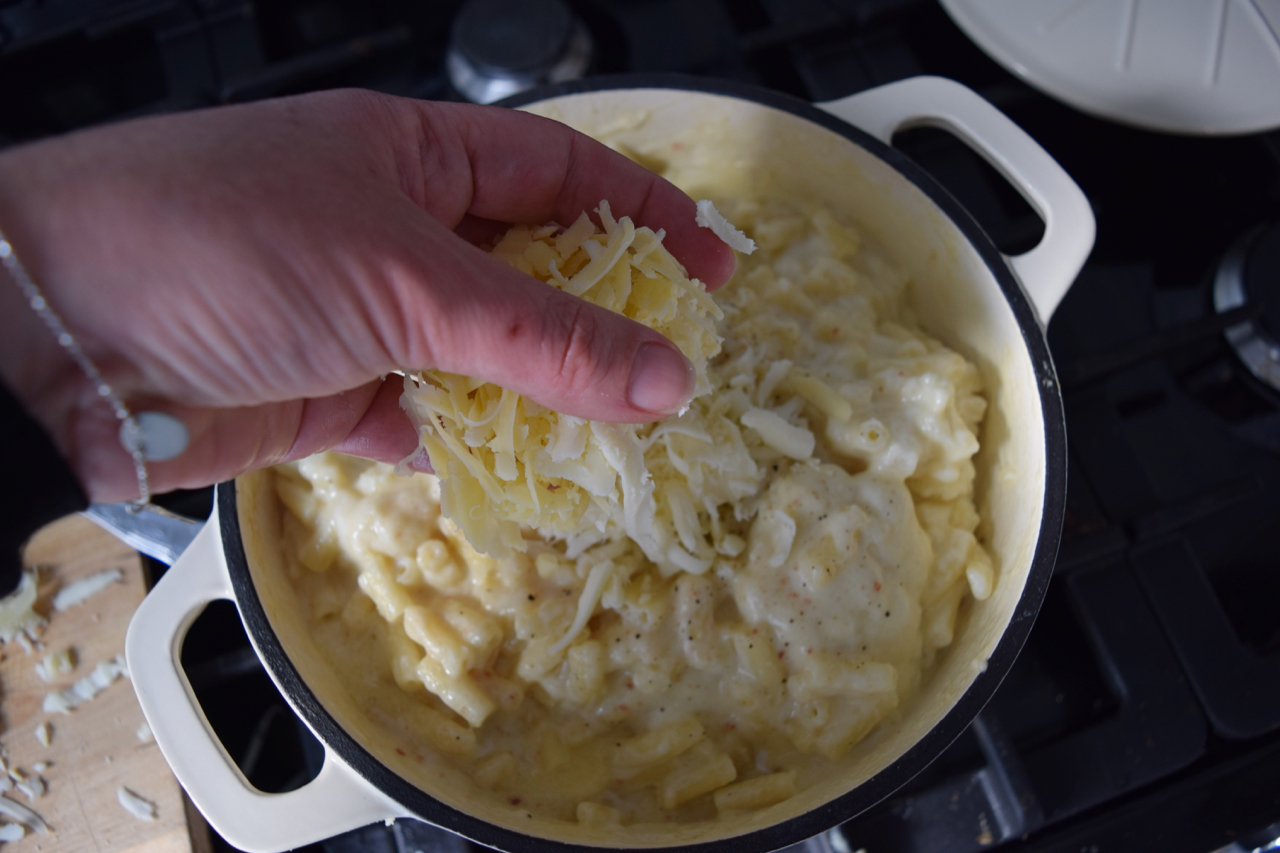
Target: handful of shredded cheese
505 462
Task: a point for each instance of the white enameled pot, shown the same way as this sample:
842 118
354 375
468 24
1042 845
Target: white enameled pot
988 306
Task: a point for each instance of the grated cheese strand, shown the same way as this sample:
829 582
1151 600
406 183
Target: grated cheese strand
142 809
85 588
23 815
100 678
709 217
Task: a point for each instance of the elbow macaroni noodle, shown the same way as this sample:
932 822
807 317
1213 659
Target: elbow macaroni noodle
821 494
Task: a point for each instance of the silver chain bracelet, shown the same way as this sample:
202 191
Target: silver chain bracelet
166 432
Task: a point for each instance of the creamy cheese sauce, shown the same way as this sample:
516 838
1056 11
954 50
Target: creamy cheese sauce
823 491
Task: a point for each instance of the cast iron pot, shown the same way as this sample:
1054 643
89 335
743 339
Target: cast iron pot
988 306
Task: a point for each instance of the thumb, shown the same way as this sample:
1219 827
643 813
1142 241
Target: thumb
560 351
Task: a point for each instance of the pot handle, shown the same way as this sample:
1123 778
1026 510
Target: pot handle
1046 271
335 801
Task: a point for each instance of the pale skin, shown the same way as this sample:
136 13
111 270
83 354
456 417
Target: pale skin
257 270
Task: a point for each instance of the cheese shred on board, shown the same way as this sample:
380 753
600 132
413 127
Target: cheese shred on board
505 462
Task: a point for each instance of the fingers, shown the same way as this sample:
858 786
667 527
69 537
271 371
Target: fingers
365 421
383 433
525 168
487 320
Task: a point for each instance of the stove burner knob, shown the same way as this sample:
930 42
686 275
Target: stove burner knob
1249 274
501 47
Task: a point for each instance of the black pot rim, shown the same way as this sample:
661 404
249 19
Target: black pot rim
889 779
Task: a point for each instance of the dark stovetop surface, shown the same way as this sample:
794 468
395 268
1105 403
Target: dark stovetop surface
1144 712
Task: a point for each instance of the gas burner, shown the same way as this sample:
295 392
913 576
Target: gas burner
1250 275
501 47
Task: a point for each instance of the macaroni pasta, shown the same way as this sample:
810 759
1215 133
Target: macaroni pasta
822 493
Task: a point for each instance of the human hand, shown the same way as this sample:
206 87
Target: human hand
256 270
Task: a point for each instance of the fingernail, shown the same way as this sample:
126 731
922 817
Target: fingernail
661 379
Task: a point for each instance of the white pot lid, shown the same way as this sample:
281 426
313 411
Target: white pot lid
1184 66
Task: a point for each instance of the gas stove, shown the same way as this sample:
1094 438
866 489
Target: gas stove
1144 712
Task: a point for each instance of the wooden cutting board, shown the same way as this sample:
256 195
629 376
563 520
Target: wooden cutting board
95 749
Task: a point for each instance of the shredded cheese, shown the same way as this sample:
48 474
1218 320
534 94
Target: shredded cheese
677 488
102 677
709 217
591 592
23 815
85 588
505 462
56 664
34 787
143 810
18 621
